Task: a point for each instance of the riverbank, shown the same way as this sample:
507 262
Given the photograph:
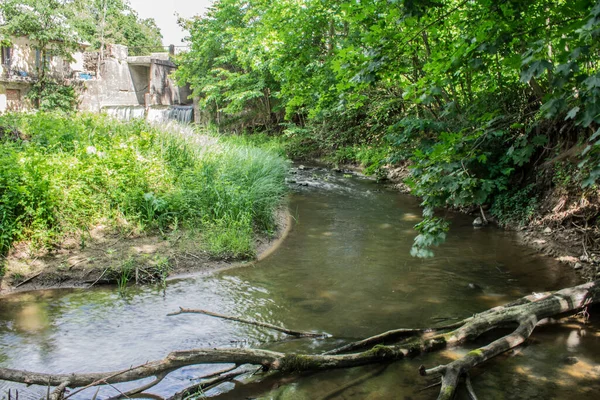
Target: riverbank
87 199
108 256
545 232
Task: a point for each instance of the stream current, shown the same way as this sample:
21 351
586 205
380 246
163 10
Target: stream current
344 269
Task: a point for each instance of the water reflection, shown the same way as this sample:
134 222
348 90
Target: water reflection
345 269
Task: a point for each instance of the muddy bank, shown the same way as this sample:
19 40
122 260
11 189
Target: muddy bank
103 256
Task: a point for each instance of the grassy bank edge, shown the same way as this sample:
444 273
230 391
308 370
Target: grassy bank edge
151 253
159 259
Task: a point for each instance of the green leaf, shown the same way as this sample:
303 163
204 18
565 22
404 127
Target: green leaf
572 113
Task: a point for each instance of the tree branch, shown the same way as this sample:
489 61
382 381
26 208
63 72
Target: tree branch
250 322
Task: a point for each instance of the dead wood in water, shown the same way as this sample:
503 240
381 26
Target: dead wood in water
525 313
250 322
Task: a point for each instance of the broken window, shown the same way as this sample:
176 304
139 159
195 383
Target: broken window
6 53
38 59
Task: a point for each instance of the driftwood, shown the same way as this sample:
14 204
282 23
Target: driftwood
212 381
524 314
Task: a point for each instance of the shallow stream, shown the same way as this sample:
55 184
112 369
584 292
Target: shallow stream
345 269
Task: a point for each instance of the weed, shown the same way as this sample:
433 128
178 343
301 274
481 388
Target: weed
125 272
516 207
80 171
17 277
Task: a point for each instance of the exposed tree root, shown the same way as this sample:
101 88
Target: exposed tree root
524 313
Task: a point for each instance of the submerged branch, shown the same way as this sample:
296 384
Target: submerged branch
207 384
250 322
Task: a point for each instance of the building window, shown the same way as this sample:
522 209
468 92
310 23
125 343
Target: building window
6 53
38 58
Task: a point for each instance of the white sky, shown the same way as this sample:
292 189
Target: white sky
163 11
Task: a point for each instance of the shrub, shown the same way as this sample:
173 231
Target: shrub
75 172
516 206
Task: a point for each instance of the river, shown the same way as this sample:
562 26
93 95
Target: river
344 269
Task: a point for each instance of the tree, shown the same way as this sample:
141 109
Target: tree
394 345
47 24
473 94
102 22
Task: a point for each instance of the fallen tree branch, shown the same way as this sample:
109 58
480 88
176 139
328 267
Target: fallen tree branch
250 322
59 392
389 336
28 279
525 313
100 381
159 378
100 277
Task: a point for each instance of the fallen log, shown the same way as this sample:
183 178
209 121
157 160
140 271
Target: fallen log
525 313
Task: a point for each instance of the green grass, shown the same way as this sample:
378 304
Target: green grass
66 174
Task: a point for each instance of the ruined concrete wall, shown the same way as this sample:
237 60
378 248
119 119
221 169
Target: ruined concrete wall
22 58
140 77
163 90
185 95
21 70
25 59
115 86
90 61
132 82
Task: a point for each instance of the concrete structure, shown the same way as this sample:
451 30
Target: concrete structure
131 86
123 86
19 69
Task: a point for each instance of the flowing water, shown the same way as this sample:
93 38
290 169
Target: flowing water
181 114
163 114
345 269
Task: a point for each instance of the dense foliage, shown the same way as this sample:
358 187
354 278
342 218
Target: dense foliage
102 22
470 93
63 175
57 26
48 24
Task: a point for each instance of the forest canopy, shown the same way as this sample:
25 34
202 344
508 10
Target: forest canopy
470 93
96 22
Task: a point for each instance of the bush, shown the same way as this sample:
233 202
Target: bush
515 207
49 95
371 158
76 172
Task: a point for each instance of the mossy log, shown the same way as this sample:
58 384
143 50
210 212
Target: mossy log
525 313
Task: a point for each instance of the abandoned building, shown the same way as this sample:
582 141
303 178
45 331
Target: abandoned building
18 71
114 83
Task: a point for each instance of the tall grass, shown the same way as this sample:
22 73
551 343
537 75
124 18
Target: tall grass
63 175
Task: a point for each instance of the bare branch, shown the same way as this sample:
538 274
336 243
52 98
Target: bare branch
250 322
